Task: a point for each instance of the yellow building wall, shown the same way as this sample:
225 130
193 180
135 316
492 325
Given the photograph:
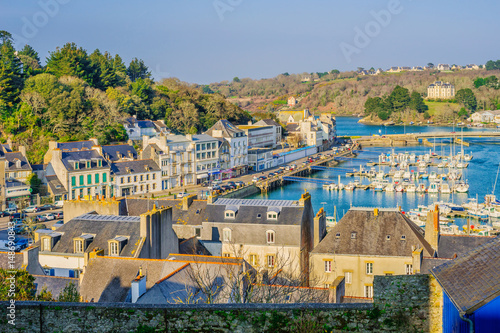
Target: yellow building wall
355 264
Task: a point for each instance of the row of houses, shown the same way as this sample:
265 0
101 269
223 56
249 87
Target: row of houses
155 251
488 116
165 161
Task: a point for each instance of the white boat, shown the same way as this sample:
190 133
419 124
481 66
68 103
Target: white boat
372 173
411 188
421 188
399 188
380 175
398 174
461 165
433 188
441 165
422 164
445 188
492 212
471 204
462 187
389 188
350 187
421 210
379 187
330 187
468 157
433 175
454 175
478 213
407 175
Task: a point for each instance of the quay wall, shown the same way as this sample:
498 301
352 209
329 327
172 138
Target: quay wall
405 303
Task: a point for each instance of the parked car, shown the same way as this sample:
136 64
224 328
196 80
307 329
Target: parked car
293 166
225 187
255 179
216 182
40 218
17 216
262 178
49 217
4 213
239 183
271 174
18 244
46 207
59 215
11 210
205 184
31 209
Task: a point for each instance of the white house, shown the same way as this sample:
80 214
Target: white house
136 177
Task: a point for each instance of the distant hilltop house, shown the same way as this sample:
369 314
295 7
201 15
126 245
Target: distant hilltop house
471 67
292 101
293 116
370 72
443 67
416 69
440 89
136 129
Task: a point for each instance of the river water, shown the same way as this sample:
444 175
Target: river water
480 174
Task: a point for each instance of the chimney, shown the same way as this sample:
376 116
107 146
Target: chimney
304 198
22 150
319 227
189 137
129 142
130 154
138 286
9 143
432 228
30 259
95 141
57 154
92 255
159 237
98 149
249 122
187 201
145 141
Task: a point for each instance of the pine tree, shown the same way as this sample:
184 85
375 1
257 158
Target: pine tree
138 70
11 78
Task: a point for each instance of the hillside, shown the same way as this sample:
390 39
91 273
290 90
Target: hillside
346 93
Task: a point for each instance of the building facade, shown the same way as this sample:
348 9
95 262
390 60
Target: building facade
441 89
135 177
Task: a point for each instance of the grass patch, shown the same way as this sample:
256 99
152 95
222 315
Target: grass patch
436 108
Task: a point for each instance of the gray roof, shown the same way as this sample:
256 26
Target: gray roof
267 122
203 138
75 145
450 246
473 279
292 127
82 155
257 202
111 152
108 279
16 156
54 284
195 215
4 260
132 167
38 167
104 228
429 263
371 235
55 185
145 124
5 148
228 129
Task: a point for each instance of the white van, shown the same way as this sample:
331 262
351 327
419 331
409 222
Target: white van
59 204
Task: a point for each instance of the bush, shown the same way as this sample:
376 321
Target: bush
383 115
426 115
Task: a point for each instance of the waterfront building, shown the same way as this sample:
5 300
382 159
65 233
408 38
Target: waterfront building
117 153
277 127
259 136
260 159
68 146
238 143
206 157
441 89
486 116
15 170
135 177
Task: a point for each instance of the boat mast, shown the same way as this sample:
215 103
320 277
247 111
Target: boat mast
496 179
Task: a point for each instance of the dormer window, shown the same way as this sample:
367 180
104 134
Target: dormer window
230 212
46 243
353 235
116 245
272 216
77 165
270 236
388 237
18 163
81 243
403 237
99 163
337 235
88 164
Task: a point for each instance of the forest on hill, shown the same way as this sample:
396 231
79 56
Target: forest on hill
346 93
77 95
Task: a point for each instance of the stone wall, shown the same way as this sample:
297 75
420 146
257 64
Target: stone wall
241 193
402 304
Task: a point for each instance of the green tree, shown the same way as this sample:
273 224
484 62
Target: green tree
138 70
236 79
105 75
24 283
430 65
11 80
467 99
417 102
69 294
399 99
71 60
142 88
5 37
373 105
478 82
463 113
35 183
384 115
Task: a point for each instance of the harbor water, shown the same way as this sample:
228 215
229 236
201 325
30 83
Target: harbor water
480 174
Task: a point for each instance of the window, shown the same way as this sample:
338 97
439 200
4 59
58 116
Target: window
403 237
46 244
96 178
121 180
81 180
135 179
142 178
229 215
369 268
99 163
147 176
89 179
328 266
147 187
78 246
272 215
353 235
128 179
369 291
253 259
270 236
327 285
73 196
88 164
348 277
225 255
77 165
197 232
409 269
270 260
388 237
113 248
154 186
226 235
154 176
104 177
337 235
73 181
142 188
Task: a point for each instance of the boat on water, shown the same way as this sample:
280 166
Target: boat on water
454 175
350 187
441 165
445 188
424 175
389 188
421 188
399 188
478 213
422 164
330 187
411 188
468 157
433 175
379 187
461 187
433 188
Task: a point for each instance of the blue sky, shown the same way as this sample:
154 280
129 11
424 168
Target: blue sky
205 41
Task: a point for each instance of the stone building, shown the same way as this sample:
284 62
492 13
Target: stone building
441 90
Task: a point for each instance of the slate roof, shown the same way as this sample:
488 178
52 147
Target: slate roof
38 167
193 216
104 228
228 129
6 148
267 122
451 245
145 124
56 186
82 155
428 263
4 260
111 152
297 115
136 166
108 279
54 284
203 138
371 235
292 127
473 279
75 145
192 246
12 158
